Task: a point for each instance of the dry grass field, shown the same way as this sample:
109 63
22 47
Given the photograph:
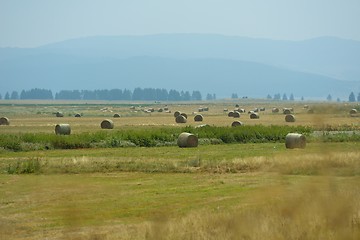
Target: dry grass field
225 191
40 116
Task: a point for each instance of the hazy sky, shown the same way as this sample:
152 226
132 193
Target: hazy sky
29 23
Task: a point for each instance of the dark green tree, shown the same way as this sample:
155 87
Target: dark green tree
234 96
115 94
352 97
68 95
174 95
36 93
292 97
329 98
88 95
196 95
127 94
7 96
185 96
14 95
277 96
138 94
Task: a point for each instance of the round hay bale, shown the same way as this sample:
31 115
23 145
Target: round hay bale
286 111
295 140
116 115
187 140
198 118
166 108
180 119
237 105
160 110
236 114
201 126
275 110
176 114
242 110
206 109
4 121
78 115
262 109
254 116
236 124
353 111
107 124
289 118
306 106
231 114
62 129
59 114
200 109
225 110
184 114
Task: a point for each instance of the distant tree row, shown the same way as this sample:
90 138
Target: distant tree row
35 93
352 97
147 94
278 96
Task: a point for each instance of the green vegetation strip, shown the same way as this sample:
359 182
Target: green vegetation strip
165 136
147 137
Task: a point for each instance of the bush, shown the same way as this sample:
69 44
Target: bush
24 166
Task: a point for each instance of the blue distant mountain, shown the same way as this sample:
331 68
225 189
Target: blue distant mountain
209 63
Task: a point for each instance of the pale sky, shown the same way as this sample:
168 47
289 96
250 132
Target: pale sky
31 23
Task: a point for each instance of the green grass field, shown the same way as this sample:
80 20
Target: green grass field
215 191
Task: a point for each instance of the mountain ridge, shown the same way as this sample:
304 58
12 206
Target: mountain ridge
199 57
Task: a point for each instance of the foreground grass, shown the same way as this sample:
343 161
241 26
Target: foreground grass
233 191
229 158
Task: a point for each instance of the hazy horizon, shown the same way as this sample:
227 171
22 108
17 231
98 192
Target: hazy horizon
270 49
179 33
35 23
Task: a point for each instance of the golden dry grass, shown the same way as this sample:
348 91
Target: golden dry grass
283 196
41 118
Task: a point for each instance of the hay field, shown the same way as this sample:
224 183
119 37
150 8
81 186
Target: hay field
226 191
40 116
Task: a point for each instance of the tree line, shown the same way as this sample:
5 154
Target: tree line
352 97
146 94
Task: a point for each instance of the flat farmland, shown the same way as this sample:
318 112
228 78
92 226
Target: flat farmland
217 190
40 116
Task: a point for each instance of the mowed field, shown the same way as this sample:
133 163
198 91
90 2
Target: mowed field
222 191
38 116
